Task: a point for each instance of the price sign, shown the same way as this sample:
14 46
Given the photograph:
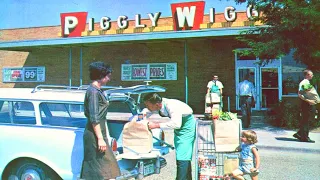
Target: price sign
152 71
30 74
24 74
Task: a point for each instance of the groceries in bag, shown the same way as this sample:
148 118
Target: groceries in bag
136 137
309 92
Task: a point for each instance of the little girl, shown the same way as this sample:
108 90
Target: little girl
249 157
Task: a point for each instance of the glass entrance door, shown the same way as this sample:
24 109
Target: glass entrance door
251 72
269 86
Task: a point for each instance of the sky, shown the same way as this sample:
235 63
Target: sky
36 13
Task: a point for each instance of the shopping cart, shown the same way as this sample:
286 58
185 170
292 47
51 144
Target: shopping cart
211 156
210 106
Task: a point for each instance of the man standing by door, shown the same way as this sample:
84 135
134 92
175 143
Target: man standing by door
308 110
246 94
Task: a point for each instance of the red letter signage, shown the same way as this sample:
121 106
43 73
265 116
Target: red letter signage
187 16
73 24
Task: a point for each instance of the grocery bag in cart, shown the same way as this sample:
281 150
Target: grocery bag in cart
136 137
227 135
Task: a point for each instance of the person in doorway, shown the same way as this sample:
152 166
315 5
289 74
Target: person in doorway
215 90
99 162
308 109
246 94
183 123
249 156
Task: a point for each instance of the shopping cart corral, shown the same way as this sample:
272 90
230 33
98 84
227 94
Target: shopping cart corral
216 148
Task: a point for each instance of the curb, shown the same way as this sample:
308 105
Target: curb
295 149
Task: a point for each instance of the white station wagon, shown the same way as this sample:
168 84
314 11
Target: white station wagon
41 132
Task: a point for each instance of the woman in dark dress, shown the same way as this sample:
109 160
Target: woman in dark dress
99 162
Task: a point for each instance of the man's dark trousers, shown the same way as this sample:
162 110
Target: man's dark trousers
184 170
245 103
308 115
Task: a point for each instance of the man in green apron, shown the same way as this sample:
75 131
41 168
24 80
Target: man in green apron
183 123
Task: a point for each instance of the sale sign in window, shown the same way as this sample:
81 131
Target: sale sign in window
24 74
153 71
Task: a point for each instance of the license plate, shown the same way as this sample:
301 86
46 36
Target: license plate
148 169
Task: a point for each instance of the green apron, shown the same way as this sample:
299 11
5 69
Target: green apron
184 138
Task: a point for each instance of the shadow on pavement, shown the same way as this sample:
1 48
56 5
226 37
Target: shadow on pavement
286 139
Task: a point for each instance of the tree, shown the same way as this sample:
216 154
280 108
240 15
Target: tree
288 25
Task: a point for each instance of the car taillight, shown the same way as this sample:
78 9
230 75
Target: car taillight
162 138
114 145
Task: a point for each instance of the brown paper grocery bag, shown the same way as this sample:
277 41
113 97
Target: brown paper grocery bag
208 98
230 165
137 137
215 97
226 135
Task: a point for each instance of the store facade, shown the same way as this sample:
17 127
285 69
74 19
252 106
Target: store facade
180 53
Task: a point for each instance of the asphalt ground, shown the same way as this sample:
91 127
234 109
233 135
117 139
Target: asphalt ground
269 139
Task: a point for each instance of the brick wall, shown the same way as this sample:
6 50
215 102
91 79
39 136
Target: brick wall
204 56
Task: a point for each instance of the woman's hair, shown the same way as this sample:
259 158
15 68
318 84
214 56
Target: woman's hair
99 70
152 98
251 136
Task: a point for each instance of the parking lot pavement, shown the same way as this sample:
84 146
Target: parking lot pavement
269 137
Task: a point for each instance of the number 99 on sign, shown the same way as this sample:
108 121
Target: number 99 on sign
30 74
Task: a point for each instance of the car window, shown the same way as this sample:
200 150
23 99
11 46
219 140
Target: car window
119 110
17 112
63 114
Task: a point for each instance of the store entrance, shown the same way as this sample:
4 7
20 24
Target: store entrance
266 79
269 87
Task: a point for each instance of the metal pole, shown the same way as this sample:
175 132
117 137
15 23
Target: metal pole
229 103
70 68
81 66
186 69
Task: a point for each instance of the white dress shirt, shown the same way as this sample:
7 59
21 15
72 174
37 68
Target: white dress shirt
218 83
174 109
246 88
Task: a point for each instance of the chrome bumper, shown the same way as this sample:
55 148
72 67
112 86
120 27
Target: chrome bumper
138 173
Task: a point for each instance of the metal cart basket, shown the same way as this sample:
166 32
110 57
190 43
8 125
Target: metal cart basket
212 154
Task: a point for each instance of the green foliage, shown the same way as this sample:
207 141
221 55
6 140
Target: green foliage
285 114
307 87
226 116
288 24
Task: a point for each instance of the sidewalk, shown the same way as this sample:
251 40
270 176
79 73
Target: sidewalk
276 138
280 139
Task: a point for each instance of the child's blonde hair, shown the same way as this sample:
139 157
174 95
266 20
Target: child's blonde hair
251 136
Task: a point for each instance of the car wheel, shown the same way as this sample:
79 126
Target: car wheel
32 170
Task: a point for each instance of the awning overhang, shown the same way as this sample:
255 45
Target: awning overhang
28 45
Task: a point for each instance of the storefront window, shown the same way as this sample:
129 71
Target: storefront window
292 74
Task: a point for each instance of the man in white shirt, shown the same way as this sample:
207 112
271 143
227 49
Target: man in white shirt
215 82
215 91
183 123
308 110
246 94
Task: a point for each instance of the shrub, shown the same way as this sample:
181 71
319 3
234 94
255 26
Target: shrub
285 114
